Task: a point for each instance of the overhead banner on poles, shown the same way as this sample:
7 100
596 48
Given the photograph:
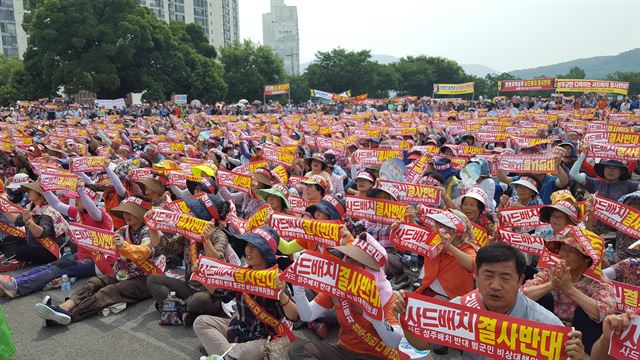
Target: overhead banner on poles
602 86
453 89
526 85
276 89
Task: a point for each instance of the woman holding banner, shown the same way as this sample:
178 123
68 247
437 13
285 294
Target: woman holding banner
246 334
250 203
83 263
564 288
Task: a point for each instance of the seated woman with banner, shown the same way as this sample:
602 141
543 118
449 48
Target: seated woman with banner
248 204
245 335
137 260
361 336
44 229
83 263
567 291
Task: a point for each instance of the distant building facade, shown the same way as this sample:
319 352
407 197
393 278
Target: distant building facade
280 32
218 18
13 38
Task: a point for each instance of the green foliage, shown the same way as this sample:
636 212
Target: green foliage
12 78
113 47
299 87
574 73
339 70
633 78
248 67
417 74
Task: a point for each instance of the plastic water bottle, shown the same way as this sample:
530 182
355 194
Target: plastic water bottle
415 262
608 253
66 252
65 286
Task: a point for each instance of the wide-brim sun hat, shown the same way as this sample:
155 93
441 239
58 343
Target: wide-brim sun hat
207 185
527 182
263 176
376 190
365 175
329 205
477 194
276 190
567 236
264 238
599 167
155 185
132 205
208 207
33 186
317 180
564 206
366 251
319 157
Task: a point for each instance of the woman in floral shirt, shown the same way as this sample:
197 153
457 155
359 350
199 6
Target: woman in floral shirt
565 290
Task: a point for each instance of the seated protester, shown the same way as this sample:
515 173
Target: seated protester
450 273
83 263
526 194
195 188
546 184
216 245
473 205
573 297
486 182
277 197
318 166
249 333
611 324
116 188
42 224
616 177
315 188
623 241
499 274
364 181
128 285
153 189
626 271
351 345
558 216
449 174
248 204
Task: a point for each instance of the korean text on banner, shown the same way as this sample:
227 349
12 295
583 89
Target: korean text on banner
177 223
626 296
619 216
453 89
214 273
276 89
526 85
344 281
324 232
415 193
378 210
527 164
579 85
625 344
481 331
93 239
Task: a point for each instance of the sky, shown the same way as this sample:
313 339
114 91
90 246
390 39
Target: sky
501 34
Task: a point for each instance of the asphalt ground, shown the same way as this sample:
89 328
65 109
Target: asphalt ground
131 334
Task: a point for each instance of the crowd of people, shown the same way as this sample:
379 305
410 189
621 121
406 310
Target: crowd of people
311 161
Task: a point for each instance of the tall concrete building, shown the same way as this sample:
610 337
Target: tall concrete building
13 38
280 32
219 18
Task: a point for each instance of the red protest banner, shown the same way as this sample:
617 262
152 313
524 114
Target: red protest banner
171 148
626 296
367 156
481 331
11 230
625 344
529 244
176 223
276 89
619 216
57 181
416 239
614 151
613 137
527 164
232 180
417 169
7 206
214 273
520 217
375 209
323 232
297 205
88 163
279 157
526 85
414 193
344 281
93 239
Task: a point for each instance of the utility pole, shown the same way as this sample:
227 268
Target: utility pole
292 55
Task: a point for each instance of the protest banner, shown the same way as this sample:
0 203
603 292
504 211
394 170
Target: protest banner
232 180
344 281
619 216
613 138
614 151
93 239
321 94
415 193
481 234
88 164
50 181
603 127
525 142
279 157
323 232
416 239
297 205
217 274
258 218
276 89
598 86
493 137
529 244
526 85
537 164
453 89
520 217
8 207
417 169
171 147
11 230
140 173
624 344
626 296
384 211
471 328
250 168
368 156
176 223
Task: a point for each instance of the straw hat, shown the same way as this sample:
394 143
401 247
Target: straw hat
134 206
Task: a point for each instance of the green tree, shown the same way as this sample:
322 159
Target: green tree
192 35
113 47
417 74
248 67
633 78
575 72
12 78
299 88
339 70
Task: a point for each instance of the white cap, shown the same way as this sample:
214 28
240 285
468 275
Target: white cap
18 180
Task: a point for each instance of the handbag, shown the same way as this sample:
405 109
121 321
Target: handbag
277 349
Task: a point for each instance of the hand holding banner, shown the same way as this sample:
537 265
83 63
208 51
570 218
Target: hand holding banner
232 180
535 164
88 163
416 239
323 232
384 211
214 273
93 239
177 223
520 217
50 181
624 344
